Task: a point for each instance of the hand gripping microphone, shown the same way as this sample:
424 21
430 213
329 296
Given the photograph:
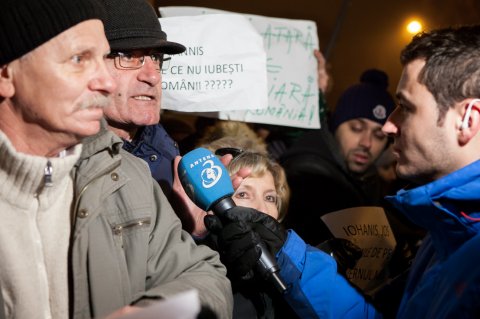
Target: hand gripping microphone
207 182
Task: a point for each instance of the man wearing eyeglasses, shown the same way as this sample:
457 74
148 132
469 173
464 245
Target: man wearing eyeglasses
139 49
138 52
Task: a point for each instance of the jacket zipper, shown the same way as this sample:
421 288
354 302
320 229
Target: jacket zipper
77 200
118 229
47 174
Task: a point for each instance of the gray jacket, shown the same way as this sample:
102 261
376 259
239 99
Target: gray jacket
127 243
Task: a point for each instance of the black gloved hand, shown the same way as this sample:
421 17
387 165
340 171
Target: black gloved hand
239 231
237 244
344 251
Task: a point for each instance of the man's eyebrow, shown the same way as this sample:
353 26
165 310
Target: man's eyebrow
399 96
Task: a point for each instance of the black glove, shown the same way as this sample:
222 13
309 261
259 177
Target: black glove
238 232
345 252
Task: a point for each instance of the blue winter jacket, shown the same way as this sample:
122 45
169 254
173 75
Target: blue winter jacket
316 290
158 149
445 278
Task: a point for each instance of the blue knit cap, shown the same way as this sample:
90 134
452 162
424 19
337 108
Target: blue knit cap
369 99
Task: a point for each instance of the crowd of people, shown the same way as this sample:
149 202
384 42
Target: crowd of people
96 223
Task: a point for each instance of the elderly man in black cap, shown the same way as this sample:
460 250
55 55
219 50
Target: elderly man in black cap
139 51
85 230
53 87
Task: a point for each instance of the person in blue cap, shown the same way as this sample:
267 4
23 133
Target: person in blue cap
338 164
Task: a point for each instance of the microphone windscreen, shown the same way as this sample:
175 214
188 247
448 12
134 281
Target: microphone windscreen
204 178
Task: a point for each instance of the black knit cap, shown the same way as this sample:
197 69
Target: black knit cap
369 99
27 24
133 24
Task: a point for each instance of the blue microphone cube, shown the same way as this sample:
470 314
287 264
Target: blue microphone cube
204 178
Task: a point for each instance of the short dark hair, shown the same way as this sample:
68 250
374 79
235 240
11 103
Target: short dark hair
452 63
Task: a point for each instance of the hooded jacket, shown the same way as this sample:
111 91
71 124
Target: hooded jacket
444 281
127 243
445 278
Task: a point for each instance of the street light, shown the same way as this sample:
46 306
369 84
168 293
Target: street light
414 27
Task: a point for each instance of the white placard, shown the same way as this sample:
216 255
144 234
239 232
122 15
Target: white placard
185 305
291 69
223 68
369 229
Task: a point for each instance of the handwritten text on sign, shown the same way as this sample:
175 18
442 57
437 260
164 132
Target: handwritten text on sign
369 229
216 69
291 70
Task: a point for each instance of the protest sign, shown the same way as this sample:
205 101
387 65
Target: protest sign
217 69
369 229
291 70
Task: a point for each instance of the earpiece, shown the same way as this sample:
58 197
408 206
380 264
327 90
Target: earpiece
467 113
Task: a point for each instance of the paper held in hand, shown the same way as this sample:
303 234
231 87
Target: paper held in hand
185 305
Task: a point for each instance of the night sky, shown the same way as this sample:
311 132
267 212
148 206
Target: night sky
371 35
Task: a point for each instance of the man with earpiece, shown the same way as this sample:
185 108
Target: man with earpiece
436 141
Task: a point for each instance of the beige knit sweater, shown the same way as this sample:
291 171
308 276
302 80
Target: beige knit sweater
34 233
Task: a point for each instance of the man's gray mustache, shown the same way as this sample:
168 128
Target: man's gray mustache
96 101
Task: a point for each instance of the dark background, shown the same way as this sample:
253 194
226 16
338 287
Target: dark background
371 33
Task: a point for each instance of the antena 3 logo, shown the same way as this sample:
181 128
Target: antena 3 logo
211 173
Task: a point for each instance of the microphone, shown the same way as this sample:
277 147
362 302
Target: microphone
207 182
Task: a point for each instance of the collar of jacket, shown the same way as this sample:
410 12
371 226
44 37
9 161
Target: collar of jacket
440 206
152 135
100 157
100 141
93 167
319 142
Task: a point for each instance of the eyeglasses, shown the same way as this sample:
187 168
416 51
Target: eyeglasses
136 59
229 150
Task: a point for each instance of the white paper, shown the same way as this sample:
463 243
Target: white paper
291 70
184 305
224 67
369 229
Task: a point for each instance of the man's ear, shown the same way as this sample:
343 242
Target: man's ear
7 89
470 124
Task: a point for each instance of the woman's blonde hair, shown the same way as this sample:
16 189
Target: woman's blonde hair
253 154
260 164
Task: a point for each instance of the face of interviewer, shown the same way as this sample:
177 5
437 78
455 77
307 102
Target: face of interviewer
258 193
424 147
63 85
361 142
136 101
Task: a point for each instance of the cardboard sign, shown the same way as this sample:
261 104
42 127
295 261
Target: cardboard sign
369 229
291 70
218 71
